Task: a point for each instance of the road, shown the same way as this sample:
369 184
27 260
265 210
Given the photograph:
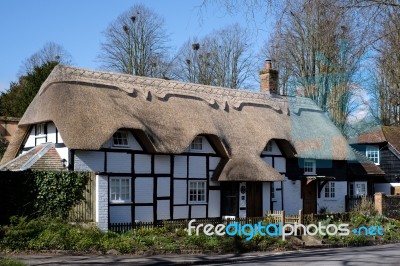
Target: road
371 255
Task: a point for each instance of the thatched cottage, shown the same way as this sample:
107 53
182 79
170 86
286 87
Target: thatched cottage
164 149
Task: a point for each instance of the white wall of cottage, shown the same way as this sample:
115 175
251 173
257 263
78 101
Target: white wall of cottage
336 204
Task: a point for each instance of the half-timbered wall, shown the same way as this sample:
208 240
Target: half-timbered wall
159 182
274 158
50 134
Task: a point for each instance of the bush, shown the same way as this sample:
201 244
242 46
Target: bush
10 262
365 206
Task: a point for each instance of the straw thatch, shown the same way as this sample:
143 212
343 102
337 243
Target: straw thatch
87 107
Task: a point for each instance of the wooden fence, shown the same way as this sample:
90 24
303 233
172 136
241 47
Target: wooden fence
85 211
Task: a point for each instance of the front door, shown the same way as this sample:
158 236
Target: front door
230 198
254 199
309 196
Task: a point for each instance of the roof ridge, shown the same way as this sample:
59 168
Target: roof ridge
146 86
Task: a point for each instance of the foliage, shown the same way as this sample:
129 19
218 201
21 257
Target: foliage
17 98
364 207
39 193
10 262
48 234
58 191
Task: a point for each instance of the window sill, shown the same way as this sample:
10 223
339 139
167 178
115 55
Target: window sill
120 202
120 146
197 203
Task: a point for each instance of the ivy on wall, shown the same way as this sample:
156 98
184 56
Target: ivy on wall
40 193
58 191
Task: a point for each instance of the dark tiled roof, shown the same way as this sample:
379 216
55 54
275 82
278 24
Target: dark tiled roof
43 156
50 160
363 166
373 136
392 135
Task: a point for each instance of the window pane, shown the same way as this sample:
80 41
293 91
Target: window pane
197 191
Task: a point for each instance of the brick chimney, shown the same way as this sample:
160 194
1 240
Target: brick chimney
269 79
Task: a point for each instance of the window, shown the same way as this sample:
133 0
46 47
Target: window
358 189
372 152
268 147
309 167
40 129
197 191
197 144
120 189
330 190
120 138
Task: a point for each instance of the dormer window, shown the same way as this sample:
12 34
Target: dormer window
40 130
372 152
310 167
268 147
120 138
197 144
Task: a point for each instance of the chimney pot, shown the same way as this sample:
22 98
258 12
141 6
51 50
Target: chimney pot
268 64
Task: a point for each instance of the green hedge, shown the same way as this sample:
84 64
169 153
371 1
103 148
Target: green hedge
39 193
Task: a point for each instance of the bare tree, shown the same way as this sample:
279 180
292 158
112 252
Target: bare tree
51 52
388 83
318 49
136 43
222 58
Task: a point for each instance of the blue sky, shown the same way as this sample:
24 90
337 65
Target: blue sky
26 25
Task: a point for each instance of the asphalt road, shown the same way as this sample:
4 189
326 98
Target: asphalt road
371 255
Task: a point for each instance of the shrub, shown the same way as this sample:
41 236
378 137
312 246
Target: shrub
10 262
364 207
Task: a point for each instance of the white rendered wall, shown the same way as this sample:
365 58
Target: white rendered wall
292 201
120 214
102 202
266 196
197 167
336 204
51 133
89 161
119 162
214 203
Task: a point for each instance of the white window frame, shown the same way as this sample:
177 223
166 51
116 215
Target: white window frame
118 194
330 190
121 138
196 184
197 144
313 167
372 153
268 147
42 127
359 188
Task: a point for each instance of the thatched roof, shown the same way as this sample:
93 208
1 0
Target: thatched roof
87 107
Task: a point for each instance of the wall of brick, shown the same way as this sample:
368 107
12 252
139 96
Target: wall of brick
102 202
387 205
